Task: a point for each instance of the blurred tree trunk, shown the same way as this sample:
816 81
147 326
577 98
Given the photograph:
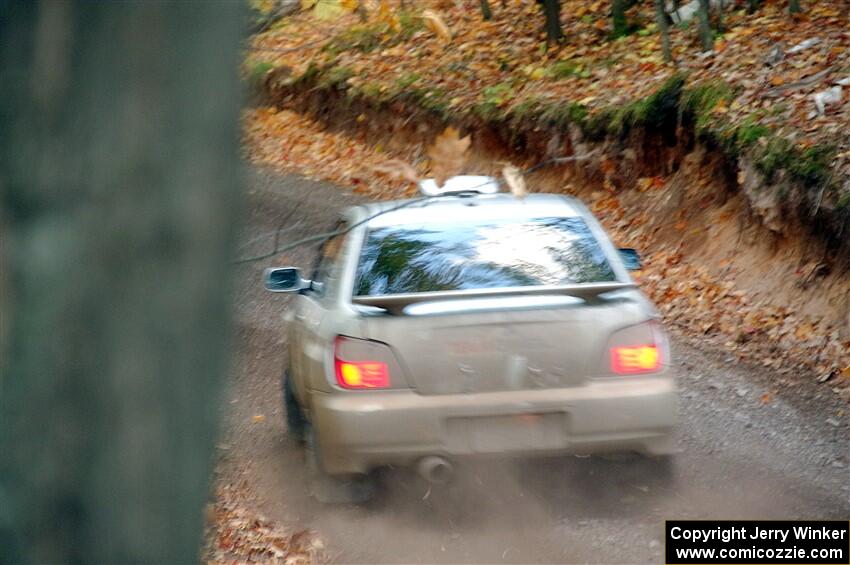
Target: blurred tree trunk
794 6
618 17
720 8
485 10
552 13
119 175
663 28
706 35
363 13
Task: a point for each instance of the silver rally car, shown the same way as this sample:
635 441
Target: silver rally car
466 323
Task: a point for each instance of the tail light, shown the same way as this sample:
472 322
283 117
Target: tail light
362 364
637 350
362 374
635 360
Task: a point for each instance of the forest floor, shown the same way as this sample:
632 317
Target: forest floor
757 85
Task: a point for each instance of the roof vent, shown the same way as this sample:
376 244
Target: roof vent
467 183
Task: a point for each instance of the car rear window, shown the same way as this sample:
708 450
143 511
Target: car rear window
482 254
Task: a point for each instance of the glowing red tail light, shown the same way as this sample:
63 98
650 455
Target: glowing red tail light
635 359
360 374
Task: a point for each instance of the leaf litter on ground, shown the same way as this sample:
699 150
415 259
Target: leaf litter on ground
237 534
783 73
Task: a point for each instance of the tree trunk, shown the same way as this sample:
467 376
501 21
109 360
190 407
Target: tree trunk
363 13
706 35
720 8
552 11
485 10
119 176
663 28
618 17
794 6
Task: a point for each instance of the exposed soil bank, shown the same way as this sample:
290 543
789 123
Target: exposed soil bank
739 236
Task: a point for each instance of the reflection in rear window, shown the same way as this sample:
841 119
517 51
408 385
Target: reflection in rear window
486 254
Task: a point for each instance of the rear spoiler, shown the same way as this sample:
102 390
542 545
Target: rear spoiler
396 303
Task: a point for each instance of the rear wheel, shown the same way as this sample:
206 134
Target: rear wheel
295 421
328 489
664 467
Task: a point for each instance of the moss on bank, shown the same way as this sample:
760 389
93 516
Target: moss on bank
369 37
700 108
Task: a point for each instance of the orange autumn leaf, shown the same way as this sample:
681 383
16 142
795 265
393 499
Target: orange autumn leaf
448 155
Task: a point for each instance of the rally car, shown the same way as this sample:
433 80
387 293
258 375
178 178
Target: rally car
469 322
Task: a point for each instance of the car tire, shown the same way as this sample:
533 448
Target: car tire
664 466
295 421
328 489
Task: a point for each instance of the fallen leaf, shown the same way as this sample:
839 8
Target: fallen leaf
436 24
515 180
448 154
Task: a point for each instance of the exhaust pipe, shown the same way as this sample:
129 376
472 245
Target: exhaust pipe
436 470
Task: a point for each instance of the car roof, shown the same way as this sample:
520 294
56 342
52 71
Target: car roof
465 207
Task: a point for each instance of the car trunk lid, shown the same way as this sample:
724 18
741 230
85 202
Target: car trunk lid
509 343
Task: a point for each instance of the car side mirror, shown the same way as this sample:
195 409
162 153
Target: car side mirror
631 259
284 279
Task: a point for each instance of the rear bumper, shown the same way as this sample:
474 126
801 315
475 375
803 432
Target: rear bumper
360 431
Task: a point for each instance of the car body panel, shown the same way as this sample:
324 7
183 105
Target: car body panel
504 349
362 431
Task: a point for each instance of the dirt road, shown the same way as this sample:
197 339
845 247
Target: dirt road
748 450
